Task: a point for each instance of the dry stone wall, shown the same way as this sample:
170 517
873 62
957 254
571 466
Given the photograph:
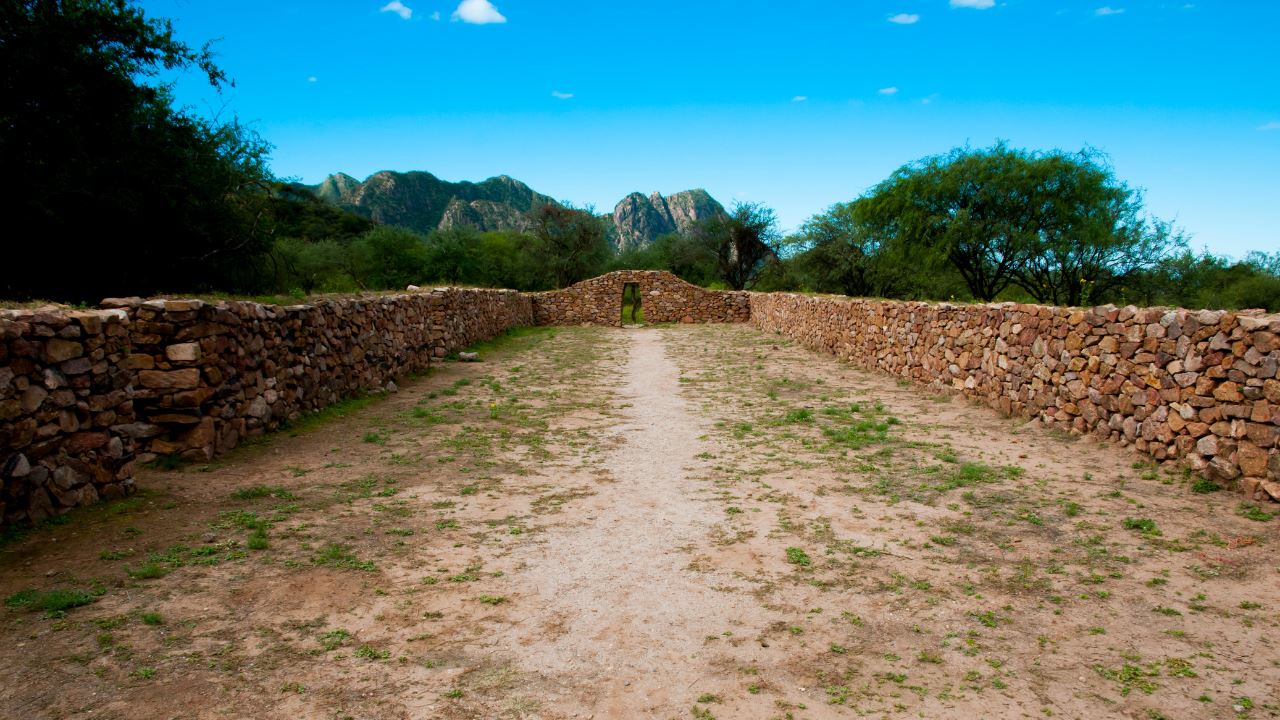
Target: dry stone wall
86 395
1199 387
664 298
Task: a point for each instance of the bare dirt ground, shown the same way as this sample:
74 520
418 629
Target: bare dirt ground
673 522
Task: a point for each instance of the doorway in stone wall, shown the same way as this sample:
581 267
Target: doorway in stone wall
632 311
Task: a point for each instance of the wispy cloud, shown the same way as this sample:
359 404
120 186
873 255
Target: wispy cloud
904 19
1273 125
395 6
928 99
800 98
891 90
975 4
561 95
435 15
478 12
1106 10
312 79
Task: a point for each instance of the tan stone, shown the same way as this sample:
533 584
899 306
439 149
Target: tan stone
183 352
185 379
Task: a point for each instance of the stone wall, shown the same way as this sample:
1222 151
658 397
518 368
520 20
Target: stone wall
664 298
1198 387
86 395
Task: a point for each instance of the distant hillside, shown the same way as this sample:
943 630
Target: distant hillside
638 220
423 202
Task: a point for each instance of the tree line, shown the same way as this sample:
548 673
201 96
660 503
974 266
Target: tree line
129 193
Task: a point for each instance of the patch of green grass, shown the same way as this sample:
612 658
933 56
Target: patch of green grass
258 540
1204 485
799 415
492 599
51 601
965 475
1130 676
148 571
333 639
151 618
262 491
521 335
336 555
1254 512
1146 526
368 652
115 554
375 439
987 618
144 673
797 556
337 411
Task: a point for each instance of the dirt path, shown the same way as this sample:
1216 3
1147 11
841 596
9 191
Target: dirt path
617 614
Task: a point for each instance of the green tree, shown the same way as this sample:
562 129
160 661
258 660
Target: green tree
1059 225
838 251
572 245
387 257
94 151
1088 232
741 243
968 206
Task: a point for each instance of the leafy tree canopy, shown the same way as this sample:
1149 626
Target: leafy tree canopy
134 194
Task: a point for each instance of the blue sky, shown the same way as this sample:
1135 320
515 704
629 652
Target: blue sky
794 104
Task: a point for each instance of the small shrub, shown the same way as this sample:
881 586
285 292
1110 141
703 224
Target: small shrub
796 556
1146 526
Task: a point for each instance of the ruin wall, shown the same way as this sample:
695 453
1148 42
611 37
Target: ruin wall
1193 386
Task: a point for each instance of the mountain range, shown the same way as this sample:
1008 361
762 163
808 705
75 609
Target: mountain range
423 202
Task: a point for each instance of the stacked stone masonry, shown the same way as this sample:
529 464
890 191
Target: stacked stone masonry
87 395
1198 387
665 298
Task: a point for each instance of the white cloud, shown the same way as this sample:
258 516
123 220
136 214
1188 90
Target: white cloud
1107 10
312 79
928 99
561 95
975 4
1273 125
800 98
478 12
904 19
435 15
395 6
891 90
